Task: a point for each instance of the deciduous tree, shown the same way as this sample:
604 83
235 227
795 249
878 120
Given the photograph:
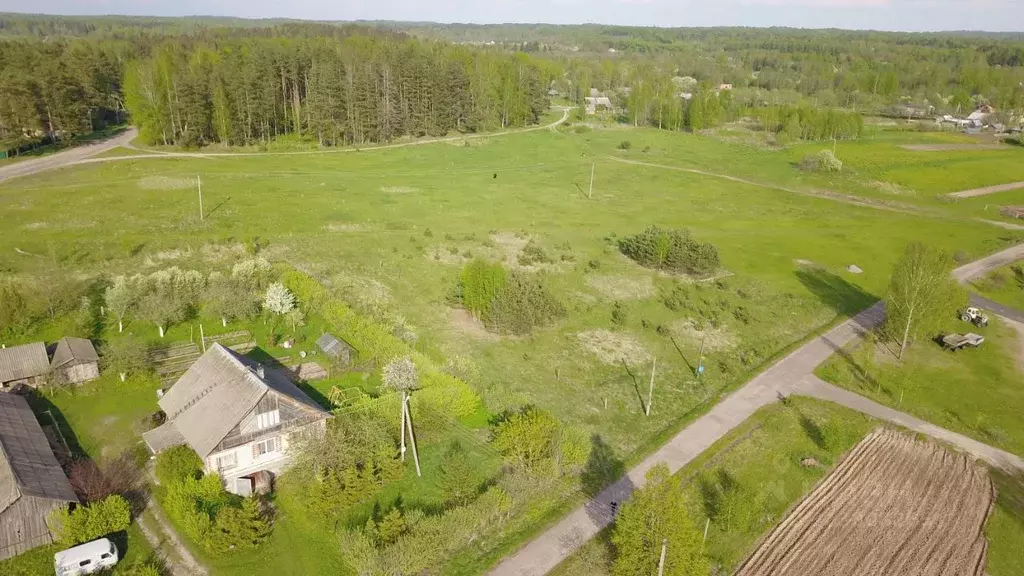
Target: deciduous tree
921 294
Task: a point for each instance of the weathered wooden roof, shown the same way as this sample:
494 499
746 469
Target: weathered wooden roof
71 349
27 464
163 437
218 391
332 345
25 361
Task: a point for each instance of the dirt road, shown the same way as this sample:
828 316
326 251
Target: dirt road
986 190
65 158
794 374
160 154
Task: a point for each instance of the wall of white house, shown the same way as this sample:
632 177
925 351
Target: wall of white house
245 457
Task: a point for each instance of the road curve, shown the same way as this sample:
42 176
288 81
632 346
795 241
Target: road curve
67 157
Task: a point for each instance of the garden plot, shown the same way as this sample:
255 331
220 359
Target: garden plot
894 506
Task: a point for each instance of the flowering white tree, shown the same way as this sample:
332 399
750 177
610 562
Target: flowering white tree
400 374
279 299
121 297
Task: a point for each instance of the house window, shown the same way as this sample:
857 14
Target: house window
227 461
268 419
268 446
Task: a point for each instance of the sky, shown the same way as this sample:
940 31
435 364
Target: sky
903 15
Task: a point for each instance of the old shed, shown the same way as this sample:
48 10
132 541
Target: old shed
25 364
32 483
75 360
336 348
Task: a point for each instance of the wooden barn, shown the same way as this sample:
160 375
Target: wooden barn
26 364
75 360
32 483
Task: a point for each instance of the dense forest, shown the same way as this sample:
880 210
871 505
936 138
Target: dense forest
333 84
194 81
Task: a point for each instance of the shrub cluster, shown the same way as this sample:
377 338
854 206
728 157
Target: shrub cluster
201 508
534 440
507 302
823 161
672 250
86 523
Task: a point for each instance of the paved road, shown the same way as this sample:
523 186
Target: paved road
65 158
791 375
811 385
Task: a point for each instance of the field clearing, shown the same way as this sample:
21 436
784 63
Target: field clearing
1004 285
866 517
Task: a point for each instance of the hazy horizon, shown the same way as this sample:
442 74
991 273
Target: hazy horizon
880 15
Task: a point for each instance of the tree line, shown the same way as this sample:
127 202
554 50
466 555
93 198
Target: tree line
232 85
336 92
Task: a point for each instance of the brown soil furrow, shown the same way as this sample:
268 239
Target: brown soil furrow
775 547
895 506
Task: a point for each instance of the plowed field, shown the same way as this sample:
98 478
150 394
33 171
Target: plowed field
895 506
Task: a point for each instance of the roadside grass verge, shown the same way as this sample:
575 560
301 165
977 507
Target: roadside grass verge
976 392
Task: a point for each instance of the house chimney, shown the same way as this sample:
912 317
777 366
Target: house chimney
259 371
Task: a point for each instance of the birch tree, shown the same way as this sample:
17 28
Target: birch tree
921 293
120 298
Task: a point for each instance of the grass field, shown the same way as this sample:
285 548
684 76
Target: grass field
1004 285
976 392
390 229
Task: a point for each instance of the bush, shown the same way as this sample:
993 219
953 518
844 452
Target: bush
480 282
528 438
93 482
96 520
457 477
193 502
619 314
244 527
522 303
625 145
532 254
823 161
178 463
672 250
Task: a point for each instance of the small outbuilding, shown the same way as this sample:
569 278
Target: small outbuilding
26 364
336 348
32 483
75 360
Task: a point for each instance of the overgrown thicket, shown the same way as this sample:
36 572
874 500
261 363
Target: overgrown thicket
200 507
807 123
675 251
508 302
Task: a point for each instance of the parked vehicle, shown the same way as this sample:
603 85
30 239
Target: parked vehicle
974 316
954 342
87 558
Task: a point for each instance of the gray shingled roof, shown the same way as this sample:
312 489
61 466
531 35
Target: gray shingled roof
27 464
25 361
217 392
70 349
331 344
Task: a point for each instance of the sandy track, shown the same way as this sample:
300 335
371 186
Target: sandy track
895 506
986 190
67 157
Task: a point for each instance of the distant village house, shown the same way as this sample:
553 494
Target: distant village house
32 483
239 417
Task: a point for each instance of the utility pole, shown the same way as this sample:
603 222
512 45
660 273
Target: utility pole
412 437
650 390
202 337
199 181
661 562
402 427
591 193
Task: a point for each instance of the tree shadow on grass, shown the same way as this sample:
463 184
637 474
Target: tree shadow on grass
844 298
714 491
636 387
812 430
604 482
859 373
